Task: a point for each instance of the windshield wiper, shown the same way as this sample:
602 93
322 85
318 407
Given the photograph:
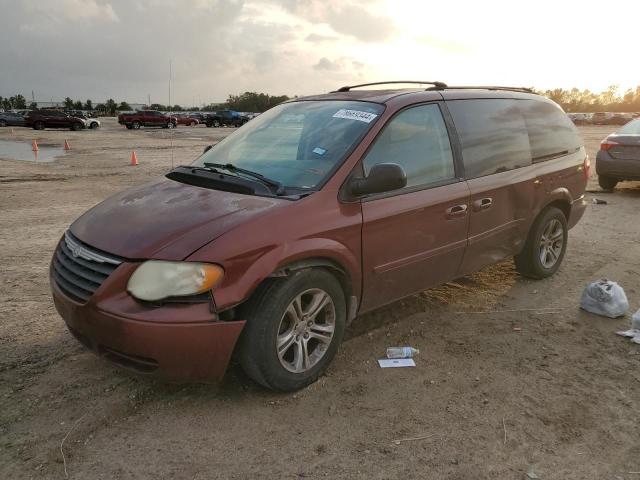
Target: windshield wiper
275 184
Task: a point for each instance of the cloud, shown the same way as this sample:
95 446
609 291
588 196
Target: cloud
317 38
347 18
339 65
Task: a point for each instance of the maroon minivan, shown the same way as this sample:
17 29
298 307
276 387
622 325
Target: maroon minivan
316 211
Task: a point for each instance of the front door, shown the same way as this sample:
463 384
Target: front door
414 238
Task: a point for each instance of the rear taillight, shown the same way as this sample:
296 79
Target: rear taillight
607 144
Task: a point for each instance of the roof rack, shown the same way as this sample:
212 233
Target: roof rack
436 85
483 87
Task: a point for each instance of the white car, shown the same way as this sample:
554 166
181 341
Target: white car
91 123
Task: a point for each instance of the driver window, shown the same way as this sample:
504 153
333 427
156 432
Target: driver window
417 140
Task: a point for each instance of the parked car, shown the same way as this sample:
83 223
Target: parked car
227 118
621 118
580 118
147 118
601 118
619 156
184 119
10 119
318 210
41 119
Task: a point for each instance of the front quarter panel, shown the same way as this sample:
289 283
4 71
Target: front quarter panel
316 227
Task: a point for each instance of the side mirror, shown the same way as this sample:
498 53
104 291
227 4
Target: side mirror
383 177
207 148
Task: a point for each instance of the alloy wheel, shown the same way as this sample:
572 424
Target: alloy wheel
551 243
306 330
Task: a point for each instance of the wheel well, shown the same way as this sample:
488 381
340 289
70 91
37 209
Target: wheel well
562 205
332 266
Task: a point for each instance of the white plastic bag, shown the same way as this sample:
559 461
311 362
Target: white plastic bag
604 298
634 332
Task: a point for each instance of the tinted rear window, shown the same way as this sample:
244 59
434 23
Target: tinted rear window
551 131
493 134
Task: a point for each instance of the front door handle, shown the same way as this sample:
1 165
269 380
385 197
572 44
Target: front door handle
482 204
457 211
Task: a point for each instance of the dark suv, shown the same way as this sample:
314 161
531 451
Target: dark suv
41 119
318 210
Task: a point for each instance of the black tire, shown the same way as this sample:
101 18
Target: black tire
75 127
529 262
192 124
129 127
265 313
38 126
216 123
607 183
3 123
94 125
136 125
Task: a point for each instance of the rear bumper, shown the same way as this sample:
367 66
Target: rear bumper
175 351
619 169
578 207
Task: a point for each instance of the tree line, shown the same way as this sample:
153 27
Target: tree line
246 102
573 100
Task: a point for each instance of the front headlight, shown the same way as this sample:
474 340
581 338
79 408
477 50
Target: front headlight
158 279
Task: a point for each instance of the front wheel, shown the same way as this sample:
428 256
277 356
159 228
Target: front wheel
135 125
545 247
192 124
216 123
38 126
3 123
607 183
170 125
294 327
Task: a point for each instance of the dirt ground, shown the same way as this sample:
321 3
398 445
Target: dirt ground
494 395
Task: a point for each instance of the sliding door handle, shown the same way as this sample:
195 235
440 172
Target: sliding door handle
482 204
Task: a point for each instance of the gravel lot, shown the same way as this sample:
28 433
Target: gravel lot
493 395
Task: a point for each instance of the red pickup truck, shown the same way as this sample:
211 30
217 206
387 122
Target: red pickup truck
147 118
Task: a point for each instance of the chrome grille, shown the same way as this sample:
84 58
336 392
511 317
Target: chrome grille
79 269
625 152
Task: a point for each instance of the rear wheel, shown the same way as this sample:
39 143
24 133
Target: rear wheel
129 127
75 127
38 126
294 327
607 183
216 123
545 247
3 123
93 125
171 125
192 124
135 125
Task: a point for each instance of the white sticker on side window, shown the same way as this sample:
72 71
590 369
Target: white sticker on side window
365 117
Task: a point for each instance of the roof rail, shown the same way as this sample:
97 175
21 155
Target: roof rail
483 87
436 85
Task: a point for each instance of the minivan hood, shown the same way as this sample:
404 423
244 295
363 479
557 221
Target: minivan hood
166 219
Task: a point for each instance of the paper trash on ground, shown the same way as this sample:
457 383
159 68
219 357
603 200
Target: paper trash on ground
396 362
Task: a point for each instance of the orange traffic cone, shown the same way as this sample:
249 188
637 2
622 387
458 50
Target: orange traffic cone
134 158
34 146
66 145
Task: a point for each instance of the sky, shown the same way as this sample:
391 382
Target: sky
122 49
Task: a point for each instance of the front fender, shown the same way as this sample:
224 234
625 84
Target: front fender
243 274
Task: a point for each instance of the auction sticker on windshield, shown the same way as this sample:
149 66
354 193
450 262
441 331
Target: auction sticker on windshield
365 117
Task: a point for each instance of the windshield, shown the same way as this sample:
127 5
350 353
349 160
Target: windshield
631 128
298 144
